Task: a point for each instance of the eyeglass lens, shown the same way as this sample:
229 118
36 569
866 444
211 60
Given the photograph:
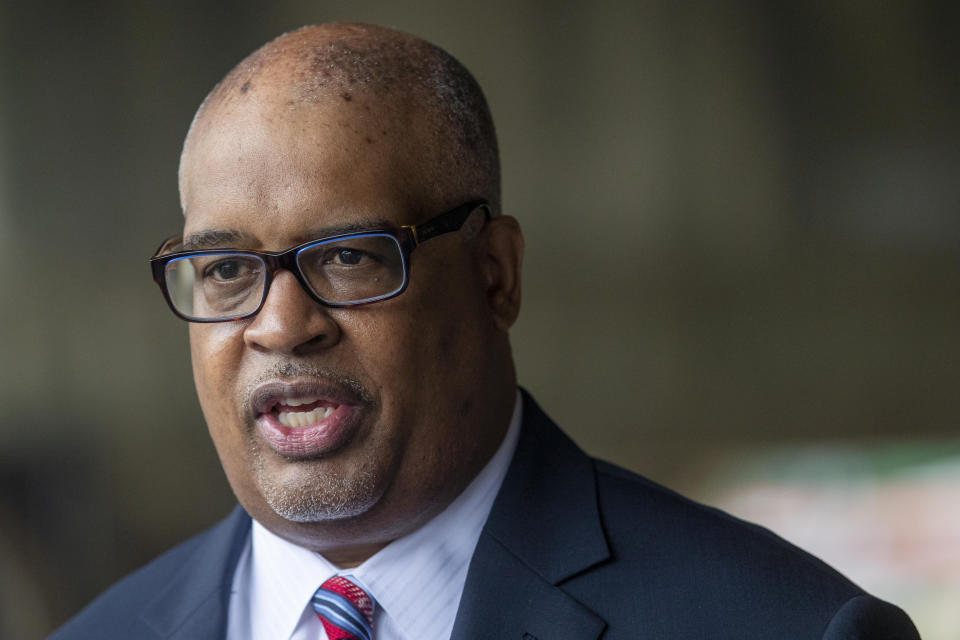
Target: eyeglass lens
225 285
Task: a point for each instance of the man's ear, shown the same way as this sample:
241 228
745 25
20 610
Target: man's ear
501 247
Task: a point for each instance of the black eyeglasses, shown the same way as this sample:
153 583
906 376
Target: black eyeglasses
217 285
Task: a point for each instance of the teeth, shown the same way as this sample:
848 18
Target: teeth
304 418
296 402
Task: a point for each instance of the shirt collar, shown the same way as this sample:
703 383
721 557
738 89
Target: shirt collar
282 580
417 580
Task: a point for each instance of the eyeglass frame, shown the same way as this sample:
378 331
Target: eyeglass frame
408 237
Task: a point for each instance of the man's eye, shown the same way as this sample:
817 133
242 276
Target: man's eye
349 257
226 270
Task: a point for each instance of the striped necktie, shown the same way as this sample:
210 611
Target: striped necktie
345 610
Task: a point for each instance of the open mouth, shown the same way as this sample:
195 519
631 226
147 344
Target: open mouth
303 412
305 419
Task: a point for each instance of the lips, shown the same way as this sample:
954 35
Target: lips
306 419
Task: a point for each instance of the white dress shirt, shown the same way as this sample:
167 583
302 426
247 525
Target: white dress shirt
416 580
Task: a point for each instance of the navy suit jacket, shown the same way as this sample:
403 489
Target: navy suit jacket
574 549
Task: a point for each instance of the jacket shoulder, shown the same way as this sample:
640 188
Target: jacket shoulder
632 505
703 569
188 576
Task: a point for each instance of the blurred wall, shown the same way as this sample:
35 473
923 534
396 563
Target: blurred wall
741 219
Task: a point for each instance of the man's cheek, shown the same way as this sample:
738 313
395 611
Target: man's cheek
215 371
215 349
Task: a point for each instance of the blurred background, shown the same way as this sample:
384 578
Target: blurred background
742 222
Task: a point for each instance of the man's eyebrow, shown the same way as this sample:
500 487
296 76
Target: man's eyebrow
214 239
235 239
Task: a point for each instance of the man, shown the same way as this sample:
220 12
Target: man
350 282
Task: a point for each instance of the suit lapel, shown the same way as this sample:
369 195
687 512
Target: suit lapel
544 527
194 604
504 598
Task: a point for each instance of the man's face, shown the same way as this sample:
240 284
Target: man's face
402 399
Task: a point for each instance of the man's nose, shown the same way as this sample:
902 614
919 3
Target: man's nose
290 321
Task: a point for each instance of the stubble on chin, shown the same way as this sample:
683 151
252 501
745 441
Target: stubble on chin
315 497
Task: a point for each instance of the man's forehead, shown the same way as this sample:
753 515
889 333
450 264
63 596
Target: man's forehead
274 111
380 85
296 132
320 170
331 115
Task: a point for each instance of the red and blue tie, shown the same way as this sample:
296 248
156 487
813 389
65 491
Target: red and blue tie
345 609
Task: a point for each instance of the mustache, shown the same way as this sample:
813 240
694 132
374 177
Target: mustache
294 370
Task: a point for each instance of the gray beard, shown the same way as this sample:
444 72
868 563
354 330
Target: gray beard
319 498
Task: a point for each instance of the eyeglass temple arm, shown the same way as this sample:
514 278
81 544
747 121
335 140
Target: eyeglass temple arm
447 222
156 267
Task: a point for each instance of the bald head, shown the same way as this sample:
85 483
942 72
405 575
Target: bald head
408 84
